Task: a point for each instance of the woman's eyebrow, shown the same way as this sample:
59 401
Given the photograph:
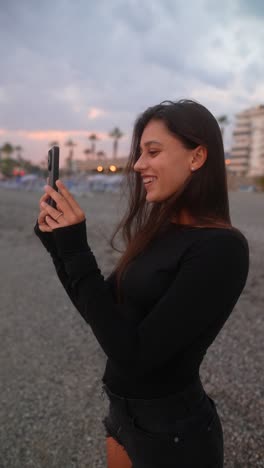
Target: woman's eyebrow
155 142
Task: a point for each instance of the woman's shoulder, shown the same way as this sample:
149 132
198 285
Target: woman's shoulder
210 231
221 241
231 233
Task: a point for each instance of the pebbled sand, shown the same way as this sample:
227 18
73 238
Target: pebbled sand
51 364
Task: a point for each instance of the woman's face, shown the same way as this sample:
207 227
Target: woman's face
163 157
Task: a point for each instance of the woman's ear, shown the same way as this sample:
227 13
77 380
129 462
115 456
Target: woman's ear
199 157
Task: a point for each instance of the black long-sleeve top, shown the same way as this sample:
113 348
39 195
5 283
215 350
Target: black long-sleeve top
177 295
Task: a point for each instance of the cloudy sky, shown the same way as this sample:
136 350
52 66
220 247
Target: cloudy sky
72 67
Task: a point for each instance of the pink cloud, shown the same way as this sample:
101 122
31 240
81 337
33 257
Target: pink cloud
58 135
95 112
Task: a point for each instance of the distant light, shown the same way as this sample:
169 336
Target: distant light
100 168
228 161
112 168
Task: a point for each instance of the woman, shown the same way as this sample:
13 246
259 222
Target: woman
178 280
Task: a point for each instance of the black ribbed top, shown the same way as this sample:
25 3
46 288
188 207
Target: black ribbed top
177 295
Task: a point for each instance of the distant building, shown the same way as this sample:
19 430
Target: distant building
91 165
247 153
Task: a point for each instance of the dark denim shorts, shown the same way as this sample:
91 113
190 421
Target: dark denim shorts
182 430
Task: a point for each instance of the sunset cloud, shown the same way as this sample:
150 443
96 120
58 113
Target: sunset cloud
101 65
94 113
54 135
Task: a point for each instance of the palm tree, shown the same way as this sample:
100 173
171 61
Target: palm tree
88 153
116 134
223 121
8 149
18 150
69 160
93 138
101 154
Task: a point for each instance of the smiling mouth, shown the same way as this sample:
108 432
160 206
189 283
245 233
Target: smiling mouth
150 182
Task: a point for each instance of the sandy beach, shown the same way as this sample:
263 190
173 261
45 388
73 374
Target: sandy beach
51 365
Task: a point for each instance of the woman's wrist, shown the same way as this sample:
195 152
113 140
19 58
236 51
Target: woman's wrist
46 238
71 239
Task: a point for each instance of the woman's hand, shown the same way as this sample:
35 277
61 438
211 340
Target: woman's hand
68 211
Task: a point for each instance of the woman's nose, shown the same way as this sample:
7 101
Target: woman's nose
139 164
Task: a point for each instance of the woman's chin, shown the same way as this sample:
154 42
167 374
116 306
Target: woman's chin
151 198
156 197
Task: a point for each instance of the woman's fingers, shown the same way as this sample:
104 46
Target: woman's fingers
43 226
72 213
43 198
68 196
50 211
61 202
66 213
42 217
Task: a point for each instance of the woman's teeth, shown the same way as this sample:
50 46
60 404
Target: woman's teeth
149 180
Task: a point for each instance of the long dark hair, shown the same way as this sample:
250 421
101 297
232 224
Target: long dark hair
204 193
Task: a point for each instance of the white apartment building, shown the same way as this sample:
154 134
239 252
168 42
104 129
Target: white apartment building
247 152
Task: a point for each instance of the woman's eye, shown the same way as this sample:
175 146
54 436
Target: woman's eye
152 152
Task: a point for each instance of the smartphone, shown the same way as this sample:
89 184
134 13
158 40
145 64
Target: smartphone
53 171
